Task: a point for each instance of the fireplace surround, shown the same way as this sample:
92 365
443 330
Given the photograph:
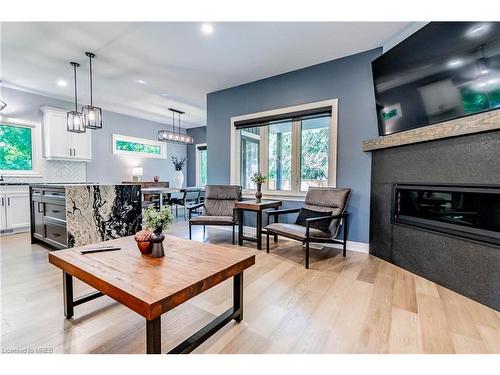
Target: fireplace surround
456 260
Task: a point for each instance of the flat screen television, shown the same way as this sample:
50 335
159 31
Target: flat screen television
444 71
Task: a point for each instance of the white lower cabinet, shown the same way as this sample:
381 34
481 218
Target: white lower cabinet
14 209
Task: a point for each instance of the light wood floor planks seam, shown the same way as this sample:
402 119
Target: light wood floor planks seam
357 304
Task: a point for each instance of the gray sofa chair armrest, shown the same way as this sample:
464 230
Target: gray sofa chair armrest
194 207
277 213
323 218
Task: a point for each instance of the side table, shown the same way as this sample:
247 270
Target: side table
258 208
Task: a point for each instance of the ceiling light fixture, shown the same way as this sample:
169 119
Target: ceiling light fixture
207 29
62 83
74 118
92 116
140 81
2 105
478 30
174 136
455 63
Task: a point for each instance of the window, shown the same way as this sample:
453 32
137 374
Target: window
314 155
201 164
280 156
124 145
250 156
295 147
18 149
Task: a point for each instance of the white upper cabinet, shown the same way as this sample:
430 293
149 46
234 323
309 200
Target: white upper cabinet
59 144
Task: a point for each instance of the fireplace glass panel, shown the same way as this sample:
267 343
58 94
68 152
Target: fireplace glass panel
465 211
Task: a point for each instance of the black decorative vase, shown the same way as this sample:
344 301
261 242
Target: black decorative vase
157 244
258 194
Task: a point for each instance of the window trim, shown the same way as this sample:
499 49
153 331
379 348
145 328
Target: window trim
36 149
285 195
198 160
126 138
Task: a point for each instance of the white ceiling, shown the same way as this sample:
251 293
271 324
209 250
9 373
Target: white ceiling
179 63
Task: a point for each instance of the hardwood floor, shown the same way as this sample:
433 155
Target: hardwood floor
357 304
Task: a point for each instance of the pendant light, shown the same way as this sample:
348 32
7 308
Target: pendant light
174 136
2 105
74 118
92 116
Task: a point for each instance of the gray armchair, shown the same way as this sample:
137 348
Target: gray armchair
329 200
218 207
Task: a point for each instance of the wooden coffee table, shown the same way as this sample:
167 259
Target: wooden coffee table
258 208
153 286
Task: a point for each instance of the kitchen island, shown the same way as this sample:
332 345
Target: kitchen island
68 215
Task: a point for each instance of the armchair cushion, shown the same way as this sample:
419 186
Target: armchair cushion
297 232
320 225
328 200
212 220
220 199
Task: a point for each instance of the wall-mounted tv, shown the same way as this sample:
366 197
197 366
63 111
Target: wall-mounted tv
444 71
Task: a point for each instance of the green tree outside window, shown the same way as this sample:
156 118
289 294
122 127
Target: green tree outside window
15 148
138 147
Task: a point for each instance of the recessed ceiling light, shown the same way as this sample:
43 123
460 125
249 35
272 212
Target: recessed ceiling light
455 63
140 81
61 83
478 30
207 29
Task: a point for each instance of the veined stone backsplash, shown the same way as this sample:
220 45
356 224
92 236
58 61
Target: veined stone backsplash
55 171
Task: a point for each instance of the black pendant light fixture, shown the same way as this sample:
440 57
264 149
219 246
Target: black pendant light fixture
2 105
92 116
74 118
174 136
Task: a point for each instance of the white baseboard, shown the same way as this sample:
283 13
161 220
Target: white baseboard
359 247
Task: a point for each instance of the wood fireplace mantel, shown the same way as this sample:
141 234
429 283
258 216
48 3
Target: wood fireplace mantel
481 122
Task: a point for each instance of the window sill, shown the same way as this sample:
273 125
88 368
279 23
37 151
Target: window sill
20 175
298 197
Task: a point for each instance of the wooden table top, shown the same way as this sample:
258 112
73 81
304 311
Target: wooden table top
253 205
153 286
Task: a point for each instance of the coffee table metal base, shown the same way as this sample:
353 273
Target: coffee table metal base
153 327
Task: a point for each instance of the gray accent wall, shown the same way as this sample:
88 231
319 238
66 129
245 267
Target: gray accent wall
350 80
105 167
199 136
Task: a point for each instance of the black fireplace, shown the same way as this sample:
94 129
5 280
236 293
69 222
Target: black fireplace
471 212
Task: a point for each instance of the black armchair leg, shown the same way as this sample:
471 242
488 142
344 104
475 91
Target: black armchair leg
307 255
346 233
267 242
233 235
189 230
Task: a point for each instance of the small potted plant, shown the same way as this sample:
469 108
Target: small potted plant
157 221
178 175
258 179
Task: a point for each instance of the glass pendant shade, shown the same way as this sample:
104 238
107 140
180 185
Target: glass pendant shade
2 105
75 122
74 118
92 117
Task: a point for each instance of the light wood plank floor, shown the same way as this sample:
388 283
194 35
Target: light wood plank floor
357 304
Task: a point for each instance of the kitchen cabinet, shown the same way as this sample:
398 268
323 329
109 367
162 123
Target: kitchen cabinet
59 144
48 216
14 209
